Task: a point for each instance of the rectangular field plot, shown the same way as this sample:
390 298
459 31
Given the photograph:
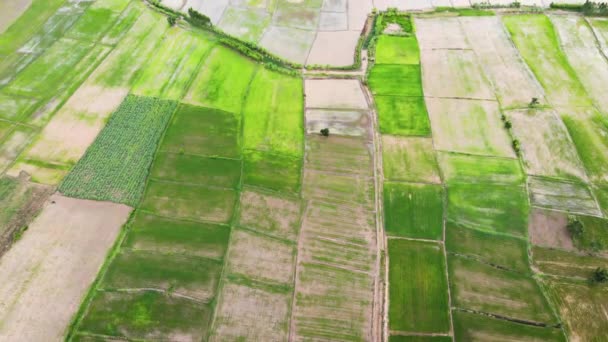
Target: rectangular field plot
395 80
261 258
47 273
115 167
122 25
335 188
223 81
413 210
270 214
342 155
499 250
414 338
409 159
490 207
440 33
545 144
594 237
537 42
473 327
339 122
277 172
146 315
462 168
121 67
572 197
397 50
16 108
13 144
589 131
418 299
250 311
202 131
484 288
189 202
582 307
580 47
469 126
564 263
179 274
513 83
176 60
454 74
160 235
192 169
274 113
335 94
400 115
96 20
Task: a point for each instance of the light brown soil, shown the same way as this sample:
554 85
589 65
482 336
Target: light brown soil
548 229
454 74
351 123
334 48
19 209
251 314
514 84
11 147
74 128
357 13
47 273
440 33
334 94
261 258
10 10
269 214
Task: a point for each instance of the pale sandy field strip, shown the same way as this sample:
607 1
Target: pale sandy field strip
513 83
10 10
47 273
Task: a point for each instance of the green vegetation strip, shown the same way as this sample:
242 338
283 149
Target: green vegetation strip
418 291
116 165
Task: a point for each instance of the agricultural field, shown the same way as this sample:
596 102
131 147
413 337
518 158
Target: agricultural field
279 170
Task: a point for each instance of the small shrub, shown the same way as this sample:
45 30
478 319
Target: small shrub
534 102
325 132
172 20
516 146
515 4
575 227
508 124
600 275
198 18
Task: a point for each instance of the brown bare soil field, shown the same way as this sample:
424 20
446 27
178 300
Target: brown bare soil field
334 94
350 122
548 229
261 258
514 83
334 48
440 33
47 273
454 74
250 313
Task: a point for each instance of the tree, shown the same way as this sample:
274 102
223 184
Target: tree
172 20
325 132
198 18
575 227
600 275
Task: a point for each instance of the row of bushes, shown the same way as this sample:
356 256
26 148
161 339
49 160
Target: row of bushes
588 8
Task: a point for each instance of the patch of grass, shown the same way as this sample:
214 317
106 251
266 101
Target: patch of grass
146 315
418 299
594 237
573 197
16 108
589 133
398 338
413 210
459 168
582 308
123 24
481 287
276 172
157 234
202 131
191 169
465 12
13 144
27 24
564 263
189 202
223 81
397 50
396 80
491 207
92 25
175 273
499 250
115 166
601 193
409 159
169 71
470 326
273 114
537 41
405 116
